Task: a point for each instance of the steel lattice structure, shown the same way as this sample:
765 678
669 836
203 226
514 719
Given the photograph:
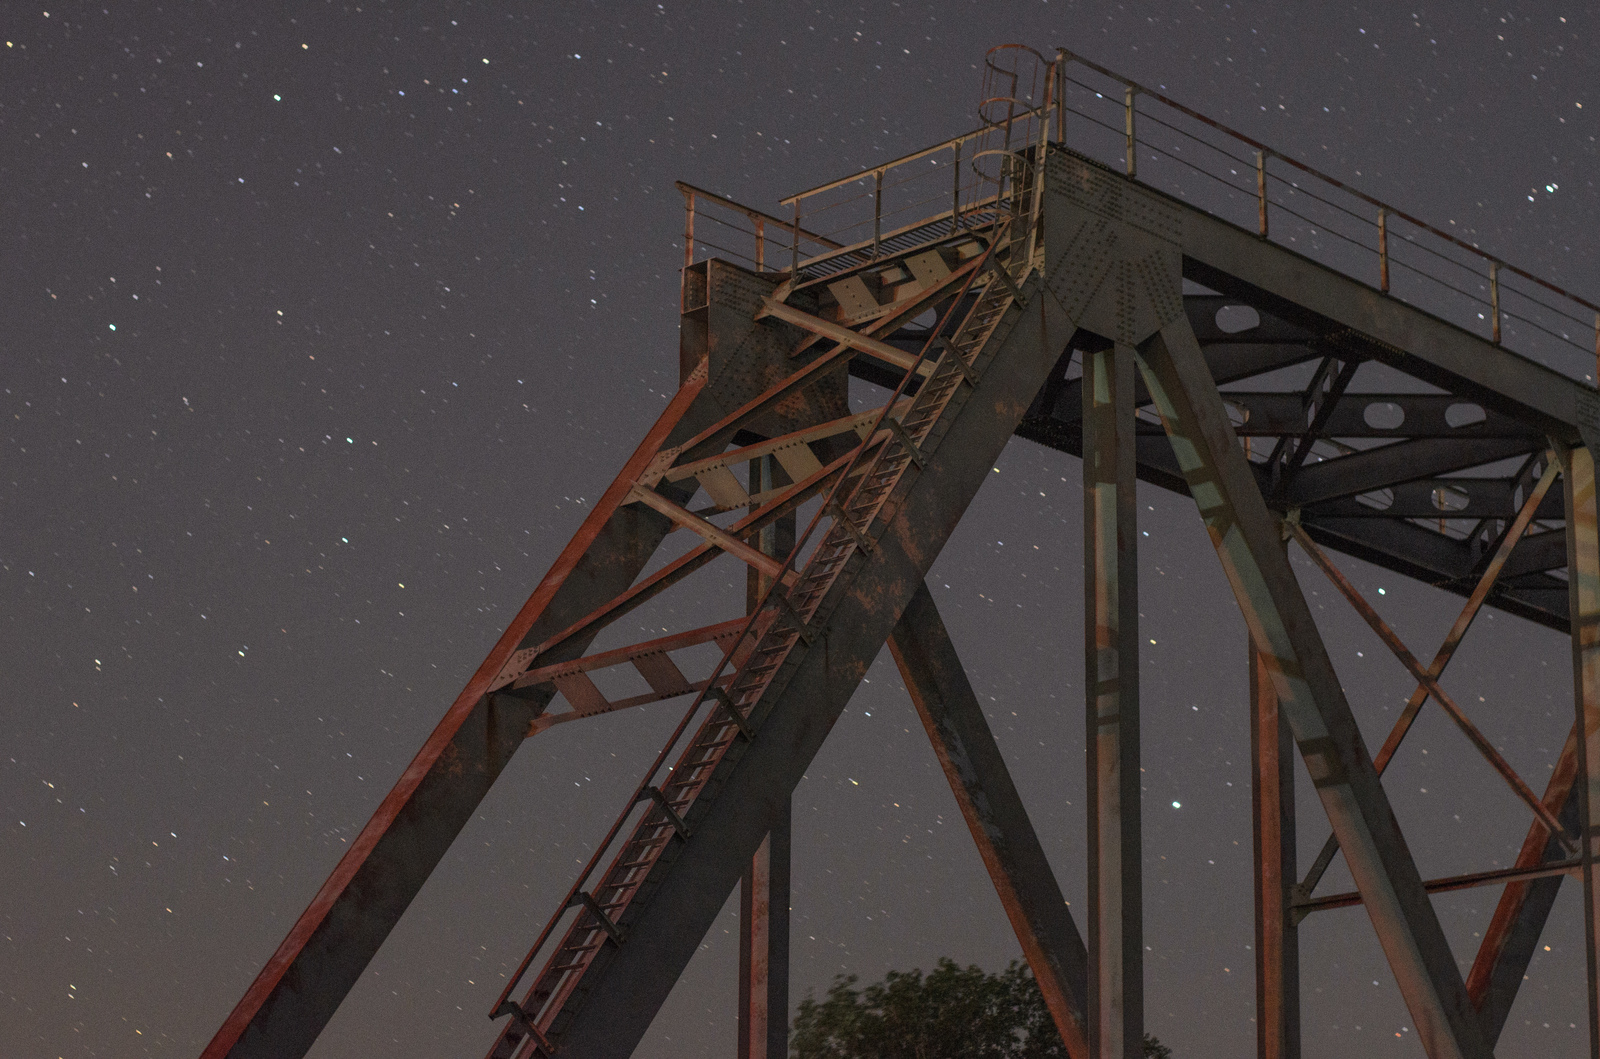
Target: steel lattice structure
1103 271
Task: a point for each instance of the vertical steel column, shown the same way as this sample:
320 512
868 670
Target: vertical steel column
1111 656
1583 580
764 889
1277 938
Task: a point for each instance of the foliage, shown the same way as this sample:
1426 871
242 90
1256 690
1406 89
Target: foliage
951 1013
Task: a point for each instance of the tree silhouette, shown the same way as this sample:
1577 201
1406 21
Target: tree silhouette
951 1013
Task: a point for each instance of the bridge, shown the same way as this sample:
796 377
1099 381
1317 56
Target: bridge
1101 270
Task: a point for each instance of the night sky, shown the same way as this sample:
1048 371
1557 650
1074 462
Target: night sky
320 324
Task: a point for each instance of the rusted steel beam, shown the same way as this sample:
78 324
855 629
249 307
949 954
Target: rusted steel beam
764 947
1246 539
1111 687
995 814
764 896
1277 948
1583 580
1450 883
857 341
1447 650
329 946
712 533
623 655
1513 934
1391 640
669 575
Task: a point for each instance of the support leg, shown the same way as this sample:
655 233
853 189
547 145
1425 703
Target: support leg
764 950
1583 579
1277 937
994 813
1281 624
1111 651
764 889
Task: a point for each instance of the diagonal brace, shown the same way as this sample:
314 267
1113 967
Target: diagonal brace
994 813
1407 659
1280 622
712 533
1447 650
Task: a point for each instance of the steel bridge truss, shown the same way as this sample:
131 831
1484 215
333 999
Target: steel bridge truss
1067 301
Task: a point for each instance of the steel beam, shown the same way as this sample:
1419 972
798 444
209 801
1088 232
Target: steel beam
1509 944
1583 578
764 889
764 946
329 946
995 814
1277 935
1310 698
1403 461
1111 687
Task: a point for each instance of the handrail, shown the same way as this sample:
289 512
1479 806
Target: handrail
755 214
883 167
1390 210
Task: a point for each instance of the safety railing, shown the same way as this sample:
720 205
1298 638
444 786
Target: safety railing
1122 124
974 179
969 182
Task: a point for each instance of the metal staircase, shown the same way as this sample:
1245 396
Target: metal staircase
791 620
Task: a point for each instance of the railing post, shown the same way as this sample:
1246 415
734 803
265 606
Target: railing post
761 245
1133 165
955 215
1597 350
1494 300
1383 250
1261 189
1061 96
794 257
688 244
877 212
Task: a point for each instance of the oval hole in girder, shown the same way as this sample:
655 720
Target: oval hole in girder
1448 498
1383 415
1238 414
927 319
1464 414
1378 499
1231 319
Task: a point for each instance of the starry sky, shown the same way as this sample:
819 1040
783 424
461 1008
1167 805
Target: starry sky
323 323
